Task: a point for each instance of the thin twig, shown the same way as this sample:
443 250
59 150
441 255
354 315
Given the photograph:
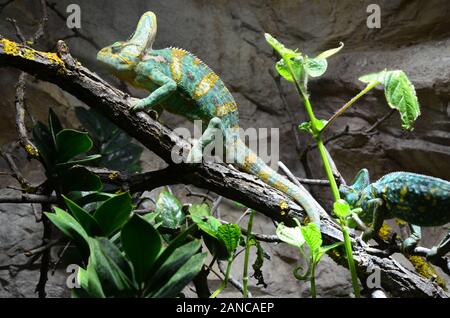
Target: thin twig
27 198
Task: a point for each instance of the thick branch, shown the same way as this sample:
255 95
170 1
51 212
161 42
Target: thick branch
230 183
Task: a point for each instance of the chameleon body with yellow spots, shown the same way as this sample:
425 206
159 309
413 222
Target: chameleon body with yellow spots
181 83
417 199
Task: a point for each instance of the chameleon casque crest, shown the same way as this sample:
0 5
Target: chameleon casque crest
181 83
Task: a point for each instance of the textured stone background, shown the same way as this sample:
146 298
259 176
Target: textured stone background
228 35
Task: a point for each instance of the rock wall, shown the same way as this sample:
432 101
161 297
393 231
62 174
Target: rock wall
228 35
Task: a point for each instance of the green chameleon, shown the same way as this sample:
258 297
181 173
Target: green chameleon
181 83
417 199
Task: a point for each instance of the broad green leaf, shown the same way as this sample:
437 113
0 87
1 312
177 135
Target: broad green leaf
216 247
142 244
312 236
70 227
326 54
229 234
315 67
89 282
169 210
179 240
206 222
179 256
291 235
341 208
71 143
86 220
113 270
181 278
401 95
79 179
296 67
87 197
113 213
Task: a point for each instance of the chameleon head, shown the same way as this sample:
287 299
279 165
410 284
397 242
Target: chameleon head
123 56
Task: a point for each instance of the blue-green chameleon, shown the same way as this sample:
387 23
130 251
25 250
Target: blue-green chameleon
181 83
417 199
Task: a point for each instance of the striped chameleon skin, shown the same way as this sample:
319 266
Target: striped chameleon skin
417 199
182 84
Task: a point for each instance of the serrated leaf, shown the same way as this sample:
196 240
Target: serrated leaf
169 210
290 235
401 95
325 249
229 234
113 213
312 236
201 216
71 143
142 244
341 208
326 54
369 78
315 67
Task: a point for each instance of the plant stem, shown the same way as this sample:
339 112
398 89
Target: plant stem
247 253
224 283
313 279
327 166
351 263
350 103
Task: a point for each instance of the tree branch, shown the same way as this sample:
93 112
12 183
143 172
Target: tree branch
217 177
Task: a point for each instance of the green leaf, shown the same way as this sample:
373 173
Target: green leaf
70 143
341 208
70 227
179 257
181 278
79 179
113 270
96 124
86 220
89 281
229 234
258 264
291 235
142 244
284 52
296 67
169 210
206 222
44 143
373 77
401 95
325 249
315 67
326 54
113 213
54 124
312 236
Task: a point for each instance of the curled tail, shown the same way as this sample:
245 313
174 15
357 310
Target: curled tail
248 161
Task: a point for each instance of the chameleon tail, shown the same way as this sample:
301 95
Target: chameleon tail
248 161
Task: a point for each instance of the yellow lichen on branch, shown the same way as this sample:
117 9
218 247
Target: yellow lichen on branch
426 270
15 49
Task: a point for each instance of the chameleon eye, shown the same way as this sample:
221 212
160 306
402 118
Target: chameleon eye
115 49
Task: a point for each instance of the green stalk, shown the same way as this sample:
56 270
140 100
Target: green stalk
351 263
313 278
224 283
246 257
350 103
334 188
